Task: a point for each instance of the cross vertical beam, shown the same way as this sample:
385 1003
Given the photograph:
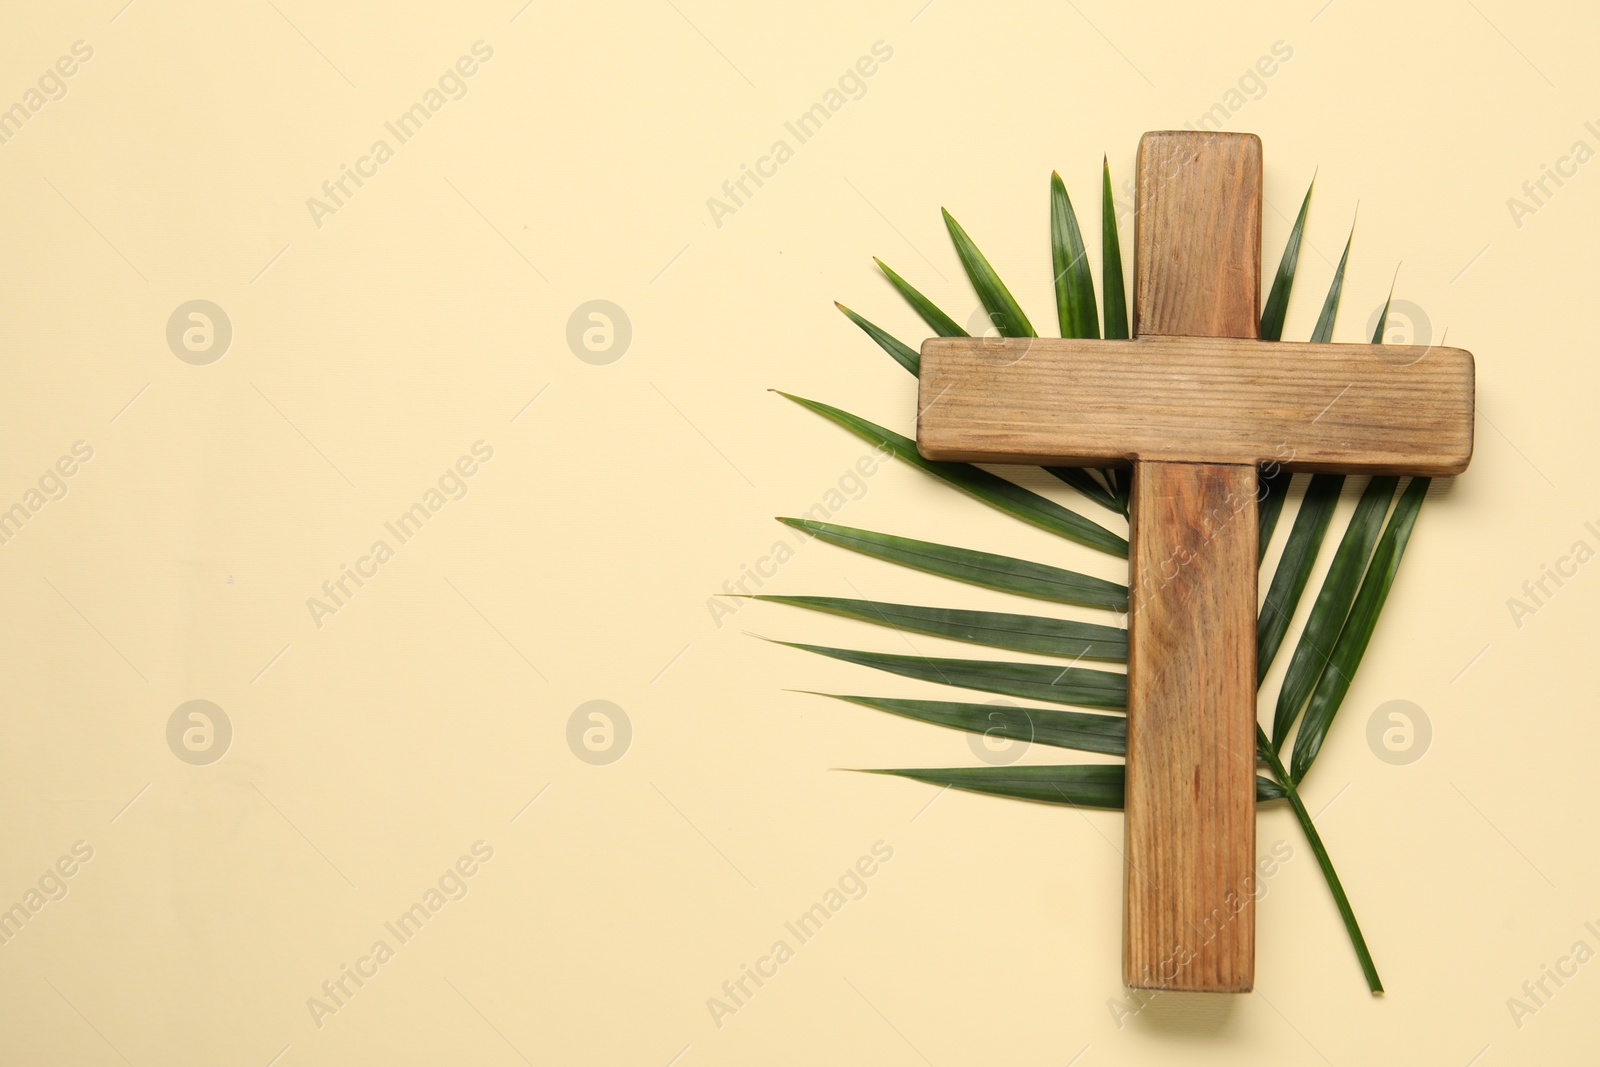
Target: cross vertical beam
1188 895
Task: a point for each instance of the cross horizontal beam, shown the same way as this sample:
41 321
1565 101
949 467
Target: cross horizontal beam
1372 409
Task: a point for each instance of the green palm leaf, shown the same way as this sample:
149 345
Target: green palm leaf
1116 306
937 321
995 491
1079 730
1003 309
1029 681
1275 486
903 354
1018 633
1308 826
1271 492
1332 605
1084 482
1074 284
1116 300
1277 306
1323 332
1357 632
1075 311
1294 567
1383 316
1093 785
1005 573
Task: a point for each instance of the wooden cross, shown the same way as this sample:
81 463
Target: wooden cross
1196 403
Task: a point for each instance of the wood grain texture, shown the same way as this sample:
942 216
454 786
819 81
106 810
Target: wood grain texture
1374 409
1190 798
1197 245
1189 889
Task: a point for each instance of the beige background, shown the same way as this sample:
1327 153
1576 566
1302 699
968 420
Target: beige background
372 351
